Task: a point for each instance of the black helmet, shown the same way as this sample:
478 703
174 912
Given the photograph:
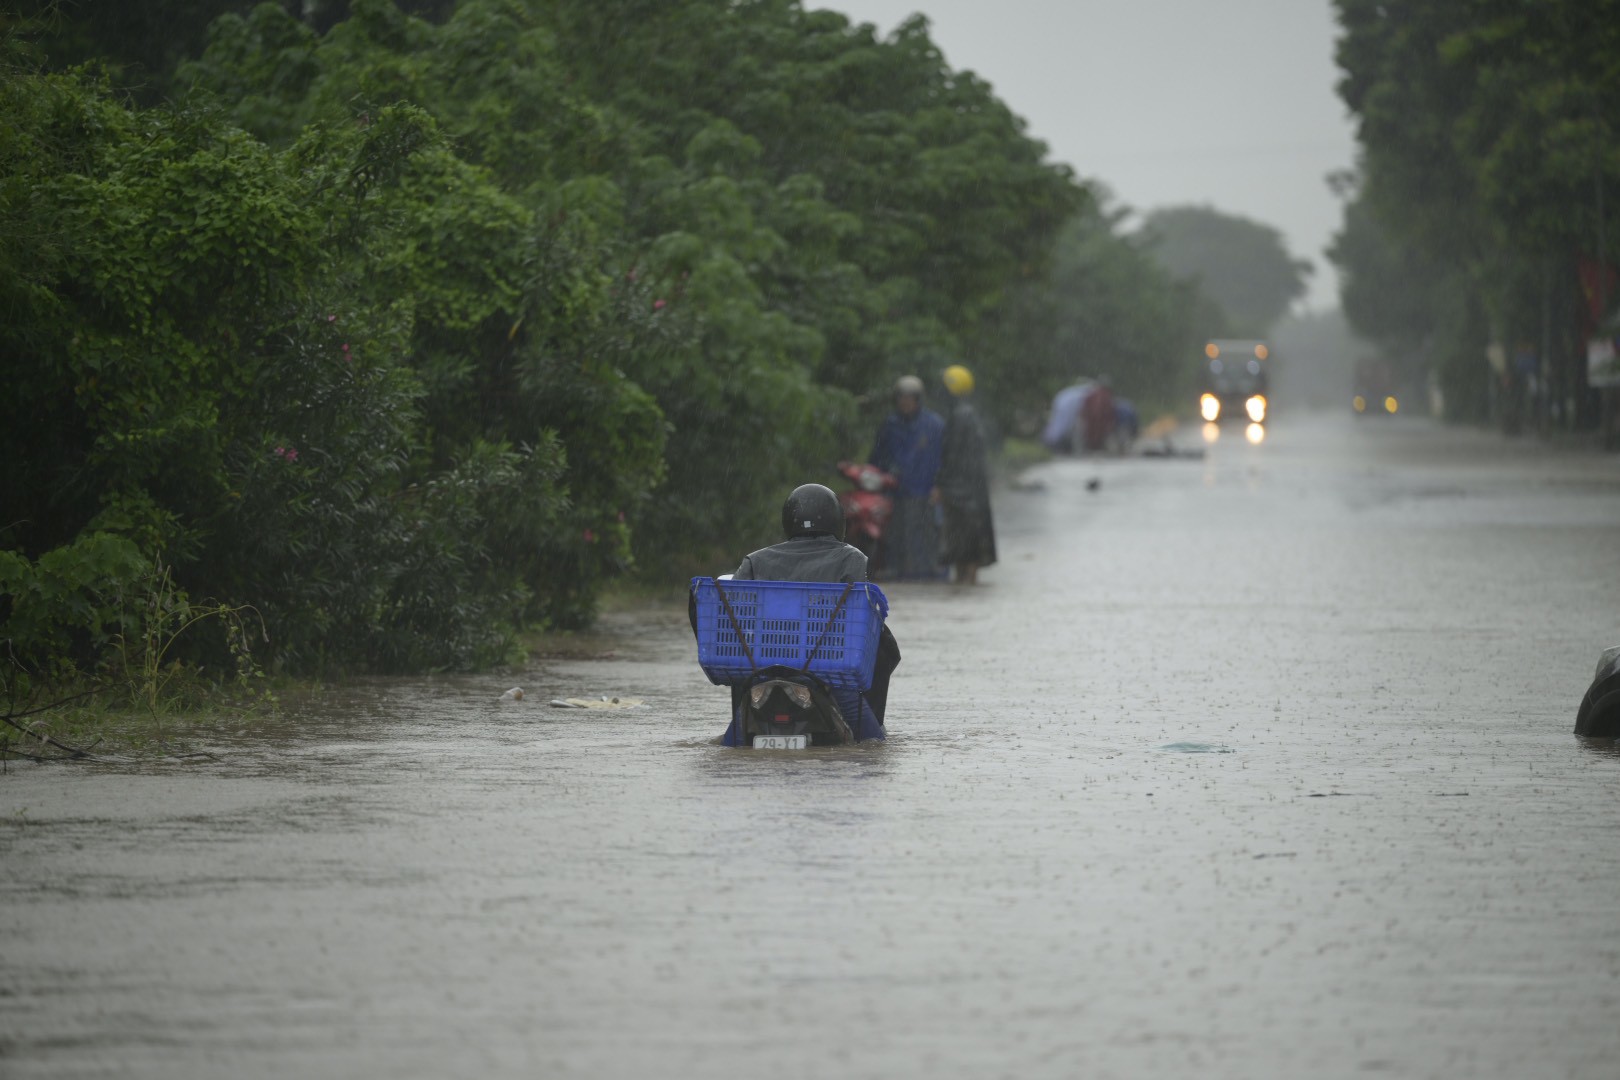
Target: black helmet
812 510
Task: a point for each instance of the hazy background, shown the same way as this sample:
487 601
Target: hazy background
1226 102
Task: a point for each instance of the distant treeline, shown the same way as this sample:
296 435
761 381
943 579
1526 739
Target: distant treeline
1490 138
411 328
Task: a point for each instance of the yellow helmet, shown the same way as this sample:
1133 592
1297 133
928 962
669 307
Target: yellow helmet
958 380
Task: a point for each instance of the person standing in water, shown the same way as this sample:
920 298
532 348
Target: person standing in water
963 486
908 445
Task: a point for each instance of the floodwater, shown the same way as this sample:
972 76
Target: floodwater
1258 765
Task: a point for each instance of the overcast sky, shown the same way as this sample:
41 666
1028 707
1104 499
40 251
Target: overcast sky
1225 102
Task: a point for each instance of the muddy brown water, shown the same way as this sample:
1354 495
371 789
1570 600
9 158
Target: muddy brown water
1259 765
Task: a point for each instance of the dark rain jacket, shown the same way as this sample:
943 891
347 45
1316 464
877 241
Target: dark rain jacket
824 559
969 535
909 447
805 558
1599 714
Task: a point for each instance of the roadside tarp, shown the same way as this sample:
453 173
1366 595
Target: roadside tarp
1065 415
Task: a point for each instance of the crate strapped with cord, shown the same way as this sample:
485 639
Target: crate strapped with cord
829 630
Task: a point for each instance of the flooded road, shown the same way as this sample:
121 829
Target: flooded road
1259 765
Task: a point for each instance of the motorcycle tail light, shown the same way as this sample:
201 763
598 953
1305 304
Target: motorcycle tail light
799 695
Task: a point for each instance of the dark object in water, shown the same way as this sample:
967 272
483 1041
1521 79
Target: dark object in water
1599 714
784 701
1094 483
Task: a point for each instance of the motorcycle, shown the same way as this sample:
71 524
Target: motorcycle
783 708
797 655
867 506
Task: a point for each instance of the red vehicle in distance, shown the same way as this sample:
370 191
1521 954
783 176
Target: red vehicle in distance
868 505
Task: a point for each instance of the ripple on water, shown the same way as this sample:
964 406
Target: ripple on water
1196 748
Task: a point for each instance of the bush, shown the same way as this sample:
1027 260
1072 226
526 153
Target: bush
67 608
410 333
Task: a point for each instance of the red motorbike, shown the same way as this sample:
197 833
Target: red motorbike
867 506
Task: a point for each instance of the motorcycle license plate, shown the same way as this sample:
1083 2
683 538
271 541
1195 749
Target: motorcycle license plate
781 742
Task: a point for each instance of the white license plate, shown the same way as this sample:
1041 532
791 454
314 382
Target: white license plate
781 742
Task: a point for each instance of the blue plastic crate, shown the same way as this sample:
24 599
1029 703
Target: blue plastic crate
782 621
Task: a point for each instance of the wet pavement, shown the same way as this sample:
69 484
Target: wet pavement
1258 765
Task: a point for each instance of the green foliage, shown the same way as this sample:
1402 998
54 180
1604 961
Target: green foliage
1240 264
1107 308
138 41
759 212
144 655
1385 280
212 346
1488 146
141 42
96 618
413 329
70 604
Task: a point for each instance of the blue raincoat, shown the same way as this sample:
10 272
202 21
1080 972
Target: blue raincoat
910 447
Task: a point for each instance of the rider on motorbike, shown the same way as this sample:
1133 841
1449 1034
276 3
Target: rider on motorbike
814 550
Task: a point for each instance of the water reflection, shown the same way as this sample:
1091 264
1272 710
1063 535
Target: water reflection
1255 433
1212 432
1606 747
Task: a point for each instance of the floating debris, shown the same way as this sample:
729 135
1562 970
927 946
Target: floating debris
514 694
1168 450
597 703
1026 483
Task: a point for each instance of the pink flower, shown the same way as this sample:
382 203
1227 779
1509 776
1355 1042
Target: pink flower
590 537
345 346
657 304
286 453
621 517
331 318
